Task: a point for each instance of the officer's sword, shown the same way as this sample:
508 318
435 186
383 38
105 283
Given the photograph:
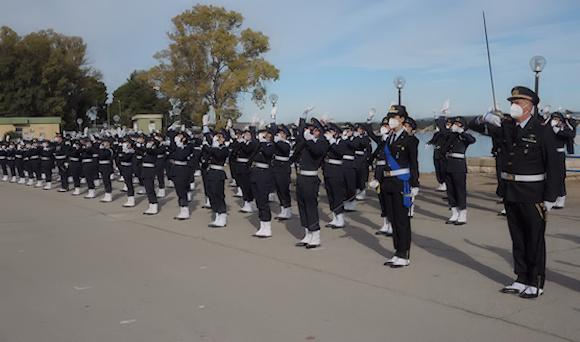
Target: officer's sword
489 64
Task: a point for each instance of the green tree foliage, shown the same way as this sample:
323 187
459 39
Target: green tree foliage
136 96
211 61
46 74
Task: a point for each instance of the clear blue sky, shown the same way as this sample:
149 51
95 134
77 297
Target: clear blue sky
341 56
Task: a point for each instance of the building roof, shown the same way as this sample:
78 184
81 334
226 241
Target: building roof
147 116
25 120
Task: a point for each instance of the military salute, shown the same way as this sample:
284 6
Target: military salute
530 156
454 148
529 170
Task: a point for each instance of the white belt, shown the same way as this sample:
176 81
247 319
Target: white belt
262 165
399 172
456 155
523 178
334 161
280 158
2 157
561 149
216 167
180 163
148 165
197 148
45 158
10 158
381 163
159 156
242 160
87 160
347 157
18 156
59 157
139 157
33 157
308 173
126 164
360 153
74 159
104 162
95 155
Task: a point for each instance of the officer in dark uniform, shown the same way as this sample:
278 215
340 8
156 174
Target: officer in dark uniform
346 145
247 147
46 163
217 154
160 162
334 179
438 158
126 157
34 162
528 167
564 133
401 174
88 165
311 147
61 153
454 149
19 162
182 151
75 167
3 162
362 151
411 127
148 174
380 164
139 147
105 161
11 161
262 179
282 171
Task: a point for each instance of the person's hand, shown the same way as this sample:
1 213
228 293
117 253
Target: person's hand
492 119
229 124
371 115
307 135
414 191
549 205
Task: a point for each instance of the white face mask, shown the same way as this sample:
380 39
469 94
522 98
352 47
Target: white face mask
384 130
516 111
394 123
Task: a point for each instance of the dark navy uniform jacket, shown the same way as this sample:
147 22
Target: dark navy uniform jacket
526 151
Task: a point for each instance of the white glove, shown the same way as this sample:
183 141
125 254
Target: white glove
374 184
277 138
308 135
371 115
549 205
331 139
215 143
204 120
273 113
491 118
414 191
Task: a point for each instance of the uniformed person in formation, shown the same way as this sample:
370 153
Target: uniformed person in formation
217 154
410 126
564 132
311 147
334 180
282 171
148 174
262 179
362 146
530 185
454 148
436 142
378 159
400 175
106 168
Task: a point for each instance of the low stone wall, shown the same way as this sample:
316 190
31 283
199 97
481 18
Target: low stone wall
486 165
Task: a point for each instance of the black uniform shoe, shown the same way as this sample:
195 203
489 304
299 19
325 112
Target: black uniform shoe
301 244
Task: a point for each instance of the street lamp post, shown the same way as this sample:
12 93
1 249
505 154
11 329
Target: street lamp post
399 82
537 64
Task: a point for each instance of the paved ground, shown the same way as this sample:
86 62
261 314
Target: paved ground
78 270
